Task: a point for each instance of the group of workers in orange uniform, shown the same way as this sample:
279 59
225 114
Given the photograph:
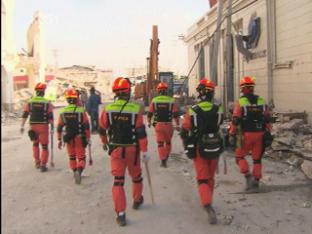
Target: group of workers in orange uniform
123 134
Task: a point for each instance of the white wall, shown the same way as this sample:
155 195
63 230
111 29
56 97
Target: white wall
293 87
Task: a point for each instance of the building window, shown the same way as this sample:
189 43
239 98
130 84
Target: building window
201 64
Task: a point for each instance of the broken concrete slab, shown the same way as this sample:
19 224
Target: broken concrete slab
285 116
307 168
292 124
288 141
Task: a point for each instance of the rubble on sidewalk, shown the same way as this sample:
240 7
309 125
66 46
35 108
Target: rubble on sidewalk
306 167
293 142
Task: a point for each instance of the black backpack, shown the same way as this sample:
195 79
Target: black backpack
209 141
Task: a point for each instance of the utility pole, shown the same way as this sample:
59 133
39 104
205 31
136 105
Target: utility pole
229 81
213 72
153 67
145 92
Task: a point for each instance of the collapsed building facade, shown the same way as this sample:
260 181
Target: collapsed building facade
8 57
21 70
83 77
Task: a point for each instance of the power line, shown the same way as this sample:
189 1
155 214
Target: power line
209 38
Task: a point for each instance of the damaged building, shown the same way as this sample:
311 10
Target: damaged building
83 77
270 40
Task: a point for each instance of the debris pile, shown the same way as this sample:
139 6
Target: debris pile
293 144
21 97
9 117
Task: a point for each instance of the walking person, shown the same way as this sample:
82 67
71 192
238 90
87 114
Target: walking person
93 109
77 133
251 126
40 111
203 143
122 123
161 112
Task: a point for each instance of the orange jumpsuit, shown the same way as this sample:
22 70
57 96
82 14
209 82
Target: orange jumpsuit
75 117
163 109
41 114
124 153
205 168
252 132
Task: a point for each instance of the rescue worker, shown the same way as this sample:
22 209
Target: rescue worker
122 121
161 111
250 120
41 115
203 143
77 133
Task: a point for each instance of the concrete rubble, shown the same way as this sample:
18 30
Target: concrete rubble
293 144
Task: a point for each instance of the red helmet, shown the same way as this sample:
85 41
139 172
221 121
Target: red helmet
206 85
71 93
40 86
162 86
247 81
121 85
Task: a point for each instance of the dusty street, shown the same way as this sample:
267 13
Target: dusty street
35 203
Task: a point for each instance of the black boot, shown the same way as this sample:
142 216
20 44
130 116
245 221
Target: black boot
121 219
77 175
211 214
255 184
164 163
248 178
43 168
137 204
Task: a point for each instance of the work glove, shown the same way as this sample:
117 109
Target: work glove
177 128
232 140
145 157
60 144
105 148
22 130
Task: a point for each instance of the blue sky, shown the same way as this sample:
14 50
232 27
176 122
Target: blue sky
111 34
